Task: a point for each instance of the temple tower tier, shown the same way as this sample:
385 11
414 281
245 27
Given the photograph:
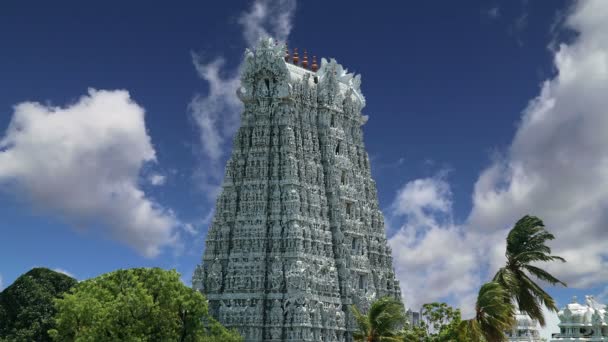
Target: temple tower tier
298 236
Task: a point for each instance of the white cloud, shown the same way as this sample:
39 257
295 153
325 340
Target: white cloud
551 326
157 179
217 116
217 113
190 229
82 162
557 165
424 195
62 271
556 168
602 297
427 268
268 18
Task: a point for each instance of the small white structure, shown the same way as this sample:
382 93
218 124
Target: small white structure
582 322
525 329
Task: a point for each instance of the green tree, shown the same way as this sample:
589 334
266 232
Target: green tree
414 334
382 323
140 304
26 306
526 246
494 314
439 323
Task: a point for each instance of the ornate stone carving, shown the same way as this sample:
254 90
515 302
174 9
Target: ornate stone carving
276 275
298 235
215 276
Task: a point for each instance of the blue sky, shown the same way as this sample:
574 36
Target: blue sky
477 116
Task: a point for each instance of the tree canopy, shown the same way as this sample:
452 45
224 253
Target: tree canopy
439 322
140 304
526 248
27 308
494 315
382 323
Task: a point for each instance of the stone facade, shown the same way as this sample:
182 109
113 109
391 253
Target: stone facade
297 235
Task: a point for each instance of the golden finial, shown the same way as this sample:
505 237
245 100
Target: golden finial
314 67
295 58
305 60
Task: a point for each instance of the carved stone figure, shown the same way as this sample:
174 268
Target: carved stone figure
276 313
276 276
215 276
279 263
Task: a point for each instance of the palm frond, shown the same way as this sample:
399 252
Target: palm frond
363 324
535 256
543 275
494 311
382 322
530 291
528 304
469 330
387 317
507 279
526 244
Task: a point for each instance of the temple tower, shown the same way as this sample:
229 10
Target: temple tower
298 236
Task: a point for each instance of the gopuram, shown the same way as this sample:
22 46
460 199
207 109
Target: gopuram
297 236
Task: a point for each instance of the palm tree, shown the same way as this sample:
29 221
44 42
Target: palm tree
526 246
494 314
382 322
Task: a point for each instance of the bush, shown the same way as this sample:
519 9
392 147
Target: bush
140 304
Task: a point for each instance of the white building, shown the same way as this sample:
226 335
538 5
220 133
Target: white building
525 329
582 322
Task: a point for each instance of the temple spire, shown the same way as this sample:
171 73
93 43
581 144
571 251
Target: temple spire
297 236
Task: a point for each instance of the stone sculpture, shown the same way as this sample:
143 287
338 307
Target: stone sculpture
298 235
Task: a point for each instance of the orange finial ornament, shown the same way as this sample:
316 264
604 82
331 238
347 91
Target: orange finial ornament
305 60
286 53
295 58
314 67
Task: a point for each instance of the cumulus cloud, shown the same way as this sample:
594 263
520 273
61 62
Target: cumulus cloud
432 257
556 167
268 18
82 162
557 164
217 113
